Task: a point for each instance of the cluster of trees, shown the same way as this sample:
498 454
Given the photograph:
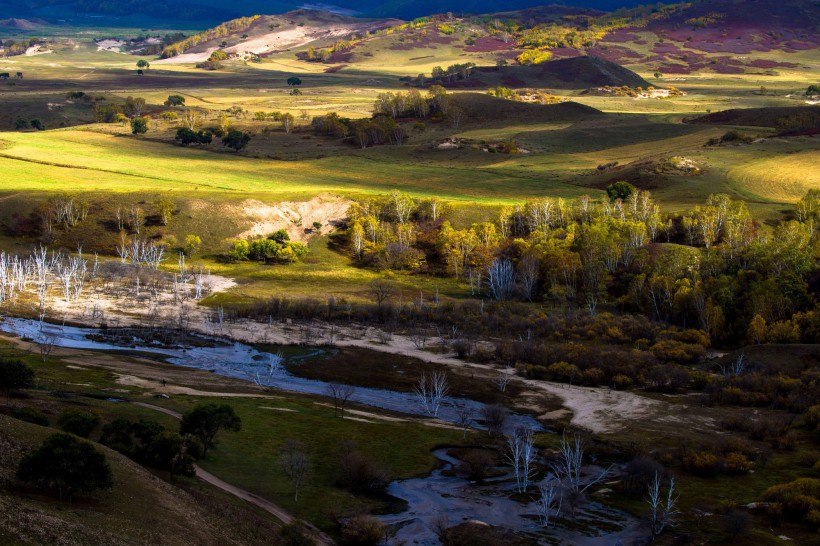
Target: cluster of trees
439 75
524 95
186 136
324 55
22 123
711 266
65 465
803 122
531 57
436 103
10 48
221 31
361 132
276 248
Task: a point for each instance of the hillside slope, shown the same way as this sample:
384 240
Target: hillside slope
483 107
141 509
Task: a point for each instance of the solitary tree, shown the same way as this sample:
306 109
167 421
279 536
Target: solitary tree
287 121
620 190
381 291
66 465
293 80
143 64
165 208
295 464
236 139
134 106
340 394
139 126
207 420
191 119
175 100
431 390
15 375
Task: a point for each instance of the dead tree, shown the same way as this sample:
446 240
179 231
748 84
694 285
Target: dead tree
295 463
569 467
546 503
520 454
464 418
431 390
663 508
340 394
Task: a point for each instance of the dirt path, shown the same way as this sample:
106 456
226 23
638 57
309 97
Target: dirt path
282 515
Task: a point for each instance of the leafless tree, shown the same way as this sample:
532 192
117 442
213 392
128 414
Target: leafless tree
381 291
546 503
332 334
520 454
494 417
569 467
504 377
46 342
663 508
464 419
736 367
295 463
419 337
340 394
431 390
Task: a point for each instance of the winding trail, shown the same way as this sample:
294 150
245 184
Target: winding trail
277 511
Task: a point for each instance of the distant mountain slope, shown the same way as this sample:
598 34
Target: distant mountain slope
268 34
586 71
487 109
714 35
757 117
209 12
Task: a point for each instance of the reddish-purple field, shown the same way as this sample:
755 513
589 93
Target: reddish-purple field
487 44
761 26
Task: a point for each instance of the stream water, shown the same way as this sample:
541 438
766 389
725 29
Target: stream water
241 361
427 498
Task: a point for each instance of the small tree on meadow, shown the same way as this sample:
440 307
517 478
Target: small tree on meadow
236 139
15 375
207 420
192 244
295 463
620 190
139 126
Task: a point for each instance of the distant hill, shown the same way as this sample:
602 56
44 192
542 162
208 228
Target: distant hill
587 71
21 24
487 109
757 117
209 12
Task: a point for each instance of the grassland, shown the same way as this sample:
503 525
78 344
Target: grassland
110 166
